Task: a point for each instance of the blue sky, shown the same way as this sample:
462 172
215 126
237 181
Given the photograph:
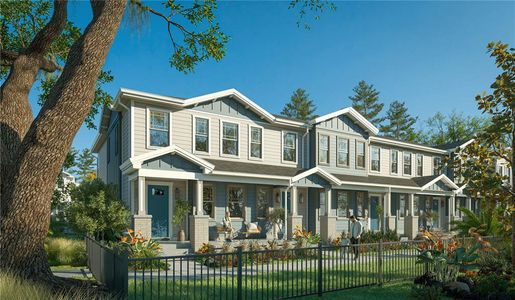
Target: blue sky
429 54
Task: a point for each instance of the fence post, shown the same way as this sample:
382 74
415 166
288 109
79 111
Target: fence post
320 274
380 261
239 291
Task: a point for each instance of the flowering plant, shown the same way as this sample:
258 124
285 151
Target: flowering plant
139 247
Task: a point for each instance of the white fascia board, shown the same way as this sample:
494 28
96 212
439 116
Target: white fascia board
136 161
316 170
147 96
444 179
354 114
406 145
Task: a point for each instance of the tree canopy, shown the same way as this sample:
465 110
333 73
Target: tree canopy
366 101
454 127
399 123
300 106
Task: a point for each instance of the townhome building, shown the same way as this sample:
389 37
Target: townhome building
223 152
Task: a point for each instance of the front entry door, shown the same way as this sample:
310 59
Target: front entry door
158 208
374 218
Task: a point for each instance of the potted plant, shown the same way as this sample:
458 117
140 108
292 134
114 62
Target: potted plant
276 217
181 210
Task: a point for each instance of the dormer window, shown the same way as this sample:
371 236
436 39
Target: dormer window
159 128
420 164
290 147
230 136
375 159
360 155
323 149
407 163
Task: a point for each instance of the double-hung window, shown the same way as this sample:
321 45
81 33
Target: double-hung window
437 165
394 162
360 155
342 208
256 142
208 199
343 152
290 147
402 205
420 164
159 128
323 149
264 195
375 159
230 135
407 163
236 201
202 135
360 201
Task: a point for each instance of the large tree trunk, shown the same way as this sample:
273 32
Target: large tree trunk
26 196
513 192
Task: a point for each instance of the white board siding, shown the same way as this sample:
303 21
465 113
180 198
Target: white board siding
332 167
182 135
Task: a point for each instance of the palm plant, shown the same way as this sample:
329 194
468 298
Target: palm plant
487 223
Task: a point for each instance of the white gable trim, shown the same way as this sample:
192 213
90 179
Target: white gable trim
354 115
315 170
410 146
135 162
442 178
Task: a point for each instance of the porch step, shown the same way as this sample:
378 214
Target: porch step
172 248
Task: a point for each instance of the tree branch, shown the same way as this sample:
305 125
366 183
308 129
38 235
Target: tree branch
55 26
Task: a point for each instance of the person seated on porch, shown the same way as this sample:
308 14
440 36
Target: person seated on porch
228 225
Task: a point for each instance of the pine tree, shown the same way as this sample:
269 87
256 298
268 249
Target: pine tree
365 101
300 106
85 164
399 123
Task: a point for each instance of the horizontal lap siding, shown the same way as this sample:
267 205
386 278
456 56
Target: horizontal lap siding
126 128
102 162
182 135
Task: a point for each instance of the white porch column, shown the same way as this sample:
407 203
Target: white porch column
452 215
468 203
411 205
142 207
390 220
199 199
294 200
328 199
133 196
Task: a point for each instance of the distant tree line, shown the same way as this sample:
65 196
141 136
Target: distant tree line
395 121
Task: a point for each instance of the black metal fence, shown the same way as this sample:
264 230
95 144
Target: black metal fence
108 267
256 274
271 274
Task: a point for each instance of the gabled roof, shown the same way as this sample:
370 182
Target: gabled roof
253 168
353 114
231 93
135 162
410 145
452 146
316 170
427 181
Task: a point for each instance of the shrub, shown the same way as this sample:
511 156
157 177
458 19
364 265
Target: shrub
139 247
388 235
490 286
493 263
426 292
96 210
62 251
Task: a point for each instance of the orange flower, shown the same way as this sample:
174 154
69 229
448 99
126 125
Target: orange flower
124 239
130 231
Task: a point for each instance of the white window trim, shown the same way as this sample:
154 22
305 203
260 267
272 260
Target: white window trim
250 142
391 161
411 166
421 164
244 212
433 167
328 149
221 139
195 134
378 148
356 155
147 131
338 151
283 132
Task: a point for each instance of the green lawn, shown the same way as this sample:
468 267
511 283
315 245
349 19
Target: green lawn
275 283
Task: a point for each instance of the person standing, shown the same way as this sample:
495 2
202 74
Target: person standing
356 229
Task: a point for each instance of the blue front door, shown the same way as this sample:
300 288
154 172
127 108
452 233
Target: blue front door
374 218
158 208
